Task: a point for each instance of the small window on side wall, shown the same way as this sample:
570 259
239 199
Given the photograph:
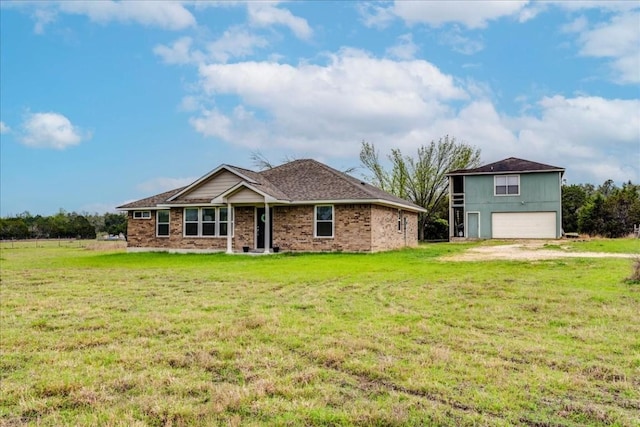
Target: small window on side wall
507 185
324 221
399 220
162 223
141 214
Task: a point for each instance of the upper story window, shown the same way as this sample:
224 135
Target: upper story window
206 222
141 214
162 223
324 221
507 185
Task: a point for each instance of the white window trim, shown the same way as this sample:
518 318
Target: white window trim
495 185
142 215
315 222
200 222
168 223
400 216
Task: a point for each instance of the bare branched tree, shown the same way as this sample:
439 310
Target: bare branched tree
421 179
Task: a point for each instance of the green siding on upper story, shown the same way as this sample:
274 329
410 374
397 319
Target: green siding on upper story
539 192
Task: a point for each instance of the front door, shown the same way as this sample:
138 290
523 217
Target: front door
260 219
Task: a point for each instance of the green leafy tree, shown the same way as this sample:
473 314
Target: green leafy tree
421 179
115 223
573 198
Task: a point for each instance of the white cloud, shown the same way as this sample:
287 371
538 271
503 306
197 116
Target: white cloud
179 52
472 14
235 42
375 16
582 130
43 17
405 104
404 49
51 130
266 14
161 184
4 128
461 44
352 96
169 15
618 39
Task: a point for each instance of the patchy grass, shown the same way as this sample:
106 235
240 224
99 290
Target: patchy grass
397 338
628 245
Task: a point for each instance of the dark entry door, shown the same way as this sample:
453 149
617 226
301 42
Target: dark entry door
260 214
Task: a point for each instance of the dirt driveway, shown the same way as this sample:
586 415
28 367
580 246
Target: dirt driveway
529 250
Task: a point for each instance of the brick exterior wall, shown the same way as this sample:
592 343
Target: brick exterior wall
385 225
141 233
293 229
357 228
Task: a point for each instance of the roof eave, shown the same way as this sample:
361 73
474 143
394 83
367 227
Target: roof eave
504 172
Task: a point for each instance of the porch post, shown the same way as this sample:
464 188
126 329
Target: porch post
230 227
267 231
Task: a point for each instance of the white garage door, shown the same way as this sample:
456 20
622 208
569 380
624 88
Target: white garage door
523 225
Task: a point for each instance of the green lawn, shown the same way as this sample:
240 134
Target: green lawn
399 338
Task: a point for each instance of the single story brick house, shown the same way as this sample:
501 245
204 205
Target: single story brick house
509 199
303 205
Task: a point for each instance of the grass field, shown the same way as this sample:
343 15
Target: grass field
400 338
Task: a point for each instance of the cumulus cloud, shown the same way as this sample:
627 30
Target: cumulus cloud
461 43
351 95
169 15
404 49
235 42
51 130
4 128
326 110
469 14
161 184
266 14
618 39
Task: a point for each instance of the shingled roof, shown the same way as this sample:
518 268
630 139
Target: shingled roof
298 181
510 165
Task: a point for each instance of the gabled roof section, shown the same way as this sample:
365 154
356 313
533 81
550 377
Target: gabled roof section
510 165
241 173
309 180
151 202
299 182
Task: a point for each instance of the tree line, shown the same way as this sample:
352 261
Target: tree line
606 210
64 224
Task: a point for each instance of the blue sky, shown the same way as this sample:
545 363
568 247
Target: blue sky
106 102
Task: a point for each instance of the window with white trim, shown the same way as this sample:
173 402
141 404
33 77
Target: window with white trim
507 185
141 214
206 222
399 220
323 221
223 221
162 223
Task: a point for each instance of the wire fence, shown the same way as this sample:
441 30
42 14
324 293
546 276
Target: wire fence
62 243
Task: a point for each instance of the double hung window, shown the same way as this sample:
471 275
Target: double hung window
206 222
162 223
324 221
507 185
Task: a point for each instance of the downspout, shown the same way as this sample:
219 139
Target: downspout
267 228
230 227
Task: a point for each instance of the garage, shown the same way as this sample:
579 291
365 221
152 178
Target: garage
523 225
